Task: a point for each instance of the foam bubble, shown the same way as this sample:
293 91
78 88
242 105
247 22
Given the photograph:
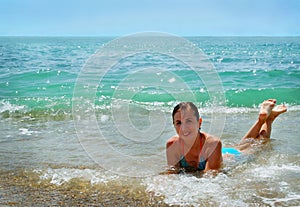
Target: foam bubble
104 118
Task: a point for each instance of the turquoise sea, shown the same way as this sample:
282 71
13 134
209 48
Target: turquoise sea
115 139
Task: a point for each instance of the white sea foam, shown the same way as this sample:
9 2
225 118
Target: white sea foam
273 171
62 175
265 183
7 106
25 131
186 190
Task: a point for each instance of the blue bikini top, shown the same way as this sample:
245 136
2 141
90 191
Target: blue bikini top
184 164
201 166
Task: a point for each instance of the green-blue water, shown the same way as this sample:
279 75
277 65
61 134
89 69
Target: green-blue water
46 68
37 134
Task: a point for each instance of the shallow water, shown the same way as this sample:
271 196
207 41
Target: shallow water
56 158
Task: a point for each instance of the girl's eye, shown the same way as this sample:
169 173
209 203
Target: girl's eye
178 123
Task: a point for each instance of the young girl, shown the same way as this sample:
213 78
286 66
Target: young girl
195 150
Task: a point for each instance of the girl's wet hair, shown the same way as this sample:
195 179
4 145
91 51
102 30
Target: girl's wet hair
186 105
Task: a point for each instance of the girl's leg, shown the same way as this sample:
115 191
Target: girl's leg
266 128
264 113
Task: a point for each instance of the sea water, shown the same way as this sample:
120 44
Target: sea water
39 131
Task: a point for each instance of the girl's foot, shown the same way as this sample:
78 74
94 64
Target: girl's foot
266 109
276 111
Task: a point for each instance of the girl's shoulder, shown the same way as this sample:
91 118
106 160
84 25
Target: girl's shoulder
173 140
210 139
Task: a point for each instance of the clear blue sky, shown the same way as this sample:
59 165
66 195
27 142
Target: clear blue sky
122 17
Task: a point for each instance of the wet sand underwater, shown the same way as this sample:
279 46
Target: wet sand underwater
25 189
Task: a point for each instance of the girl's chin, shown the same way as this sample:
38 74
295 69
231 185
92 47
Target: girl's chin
188 138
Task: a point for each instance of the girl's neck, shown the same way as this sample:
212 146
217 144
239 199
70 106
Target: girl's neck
198 144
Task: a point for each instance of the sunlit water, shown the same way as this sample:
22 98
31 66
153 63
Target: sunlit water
39 134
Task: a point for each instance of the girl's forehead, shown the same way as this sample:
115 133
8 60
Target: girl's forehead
184 113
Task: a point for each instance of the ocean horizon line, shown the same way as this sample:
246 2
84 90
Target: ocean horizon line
188 36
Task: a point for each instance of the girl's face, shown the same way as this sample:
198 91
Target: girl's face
186 125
